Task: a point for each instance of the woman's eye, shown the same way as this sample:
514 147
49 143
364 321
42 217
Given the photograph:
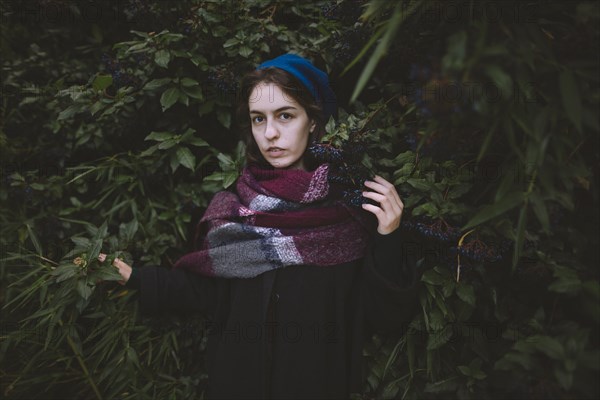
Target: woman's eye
286 116
257 119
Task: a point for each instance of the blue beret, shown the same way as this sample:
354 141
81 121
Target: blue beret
315 80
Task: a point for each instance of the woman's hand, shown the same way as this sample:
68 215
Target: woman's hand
124 269
390 207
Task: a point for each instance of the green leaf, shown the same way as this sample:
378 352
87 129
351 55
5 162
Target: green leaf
96 107
404 158
95 249
507 203
564 378
432 277
81 242
83 289
548 345
156 83
392 26
225 159
188 82
245 51
169 97
410 351
420 184
466 293
106 273
447 385
502 80
101 82
428 209
230 42
186 158
224 118
438 338
194 92
466 371
65 271
128 230
174 162
69 112
571 98
196 141
567 281
229 178
520 236
159 136
456 51
183 98
486 142
162 58
512 359
167 144
540 210
34 240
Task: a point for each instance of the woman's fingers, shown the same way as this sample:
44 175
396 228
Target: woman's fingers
391 187
384 195
123 267
124 270
390 207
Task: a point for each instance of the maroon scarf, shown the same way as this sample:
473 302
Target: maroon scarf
277 218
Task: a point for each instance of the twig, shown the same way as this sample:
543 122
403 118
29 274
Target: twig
460 242
378 110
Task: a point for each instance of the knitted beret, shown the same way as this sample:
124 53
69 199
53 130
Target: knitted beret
315 80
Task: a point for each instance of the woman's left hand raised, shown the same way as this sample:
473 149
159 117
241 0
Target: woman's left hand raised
390 207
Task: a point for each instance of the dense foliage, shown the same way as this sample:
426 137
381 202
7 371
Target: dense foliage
118 126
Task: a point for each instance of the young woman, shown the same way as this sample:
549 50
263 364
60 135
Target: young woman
291 278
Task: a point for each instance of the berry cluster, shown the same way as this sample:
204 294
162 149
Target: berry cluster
223 79
325 152
349 43
477 250
191 22
116 69
438 229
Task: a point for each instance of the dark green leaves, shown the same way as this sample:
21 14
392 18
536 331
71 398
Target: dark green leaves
456 52
571 98
507 203
162 58
388 33
186 158
101 82
169 97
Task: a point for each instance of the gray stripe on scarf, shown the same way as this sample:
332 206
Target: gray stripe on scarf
244 251
268 203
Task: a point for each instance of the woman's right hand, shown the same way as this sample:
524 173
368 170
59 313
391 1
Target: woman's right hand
124 269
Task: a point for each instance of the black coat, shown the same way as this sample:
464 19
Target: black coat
296 332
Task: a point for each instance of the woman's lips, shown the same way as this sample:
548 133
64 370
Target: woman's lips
275 151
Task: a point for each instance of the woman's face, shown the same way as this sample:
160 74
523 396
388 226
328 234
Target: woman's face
280 126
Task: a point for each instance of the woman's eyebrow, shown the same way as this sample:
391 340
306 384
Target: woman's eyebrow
278 110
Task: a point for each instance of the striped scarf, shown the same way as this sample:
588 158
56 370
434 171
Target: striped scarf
276 218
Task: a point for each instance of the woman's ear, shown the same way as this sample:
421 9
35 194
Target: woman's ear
313 125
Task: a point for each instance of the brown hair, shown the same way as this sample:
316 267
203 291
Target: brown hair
292 87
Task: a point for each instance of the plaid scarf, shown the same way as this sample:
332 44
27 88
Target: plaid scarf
275 219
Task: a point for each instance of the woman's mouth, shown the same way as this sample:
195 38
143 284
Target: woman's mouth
275 151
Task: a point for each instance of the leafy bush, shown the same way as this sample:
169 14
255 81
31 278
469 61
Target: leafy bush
481 114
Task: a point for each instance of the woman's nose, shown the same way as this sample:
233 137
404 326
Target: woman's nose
271 131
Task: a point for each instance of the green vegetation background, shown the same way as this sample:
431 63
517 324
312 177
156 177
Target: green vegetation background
117 126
